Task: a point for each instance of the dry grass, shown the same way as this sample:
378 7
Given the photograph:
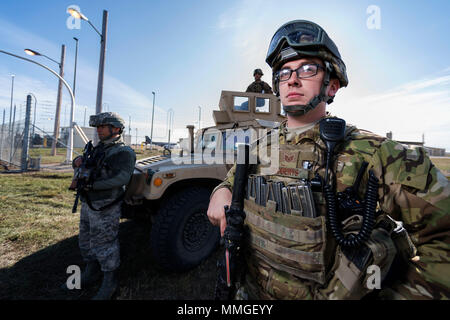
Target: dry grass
442 163
39 240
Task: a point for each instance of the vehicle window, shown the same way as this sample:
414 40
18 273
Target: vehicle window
209 140
262 105
241 104
231 138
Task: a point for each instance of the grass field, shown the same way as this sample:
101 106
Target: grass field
47 158
39 240
442 163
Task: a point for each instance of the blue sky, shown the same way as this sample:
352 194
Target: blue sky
188 51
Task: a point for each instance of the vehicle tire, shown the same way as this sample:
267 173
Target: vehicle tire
182 235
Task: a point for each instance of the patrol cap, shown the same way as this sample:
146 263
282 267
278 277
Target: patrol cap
258 71
106 118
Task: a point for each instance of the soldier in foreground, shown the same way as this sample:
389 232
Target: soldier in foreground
107 168
344 203
258 85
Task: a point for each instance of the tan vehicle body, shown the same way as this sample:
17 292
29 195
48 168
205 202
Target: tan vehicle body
159 182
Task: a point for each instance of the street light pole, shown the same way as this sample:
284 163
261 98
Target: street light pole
75 68
199 115
70 146
59 97
58 102
101 66
153 114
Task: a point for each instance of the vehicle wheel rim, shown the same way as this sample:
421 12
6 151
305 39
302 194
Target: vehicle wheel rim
196 231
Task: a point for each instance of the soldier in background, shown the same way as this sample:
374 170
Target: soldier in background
113 165
310 253
258 85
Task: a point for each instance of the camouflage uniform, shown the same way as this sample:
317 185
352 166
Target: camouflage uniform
98 239
259 87
411 190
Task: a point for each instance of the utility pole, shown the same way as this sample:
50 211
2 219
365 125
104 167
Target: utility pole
101 67
75 68
58 101
153 114
136 139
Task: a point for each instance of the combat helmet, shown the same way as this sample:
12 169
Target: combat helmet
107 118
258 71
301 38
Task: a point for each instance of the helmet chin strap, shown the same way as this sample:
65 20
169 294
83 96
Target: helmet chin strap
302 109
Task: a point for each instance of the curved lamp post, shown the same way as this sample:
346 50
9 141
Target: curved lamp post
59 96
72 113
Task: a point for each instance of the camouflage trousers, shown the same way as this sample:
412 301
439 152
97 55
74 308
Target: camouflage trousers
99 230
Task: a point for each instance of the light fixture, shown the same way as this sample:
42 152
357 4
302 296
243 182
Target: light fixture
77 14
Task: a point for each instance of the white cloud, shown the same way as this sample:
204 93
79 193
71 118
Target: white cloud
410 110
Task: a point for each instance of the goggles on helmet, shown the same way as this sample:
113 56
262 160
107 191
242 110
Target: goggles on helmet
299 34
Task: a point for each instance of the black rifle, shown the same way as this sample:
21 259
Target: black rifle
229 264
82 174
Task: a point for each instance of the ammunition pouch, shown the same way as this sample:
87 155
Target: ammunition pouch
287 239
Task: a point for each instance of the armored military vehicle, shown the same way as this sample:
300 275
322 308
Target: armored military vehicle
175 188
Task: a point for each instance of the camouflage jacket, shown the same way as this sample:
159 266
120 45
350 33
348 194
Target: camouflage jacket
259 86
412 190
115 171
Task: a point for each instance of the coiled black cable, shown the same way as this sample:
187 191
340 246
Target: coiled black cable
371 198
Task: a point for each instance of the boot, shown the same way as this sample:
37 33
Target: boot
109 286
89 276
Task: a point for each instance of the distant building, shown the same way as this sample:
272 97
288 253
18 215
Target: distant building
431 151
89 132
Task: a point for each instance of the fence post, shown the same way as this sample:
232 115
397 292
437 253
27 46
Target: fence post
26 133
2 136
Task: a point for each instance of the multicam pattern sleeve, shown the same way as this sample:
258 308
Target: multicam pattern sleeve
415 192
412 190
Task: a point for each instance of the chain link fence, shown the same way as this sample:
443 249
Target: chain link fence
11 143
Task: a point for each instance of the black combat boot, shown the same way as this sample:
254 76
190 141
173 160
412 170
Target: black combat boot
90 274
109 286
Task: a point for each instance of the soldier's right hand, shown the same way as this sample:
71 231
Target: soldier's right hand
216 210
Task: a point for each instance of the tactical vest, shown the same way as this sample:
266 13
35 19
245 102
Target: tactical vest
292 254
290 248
